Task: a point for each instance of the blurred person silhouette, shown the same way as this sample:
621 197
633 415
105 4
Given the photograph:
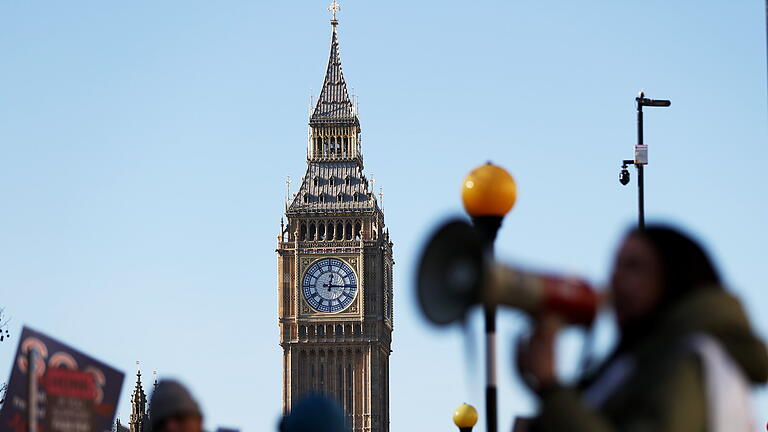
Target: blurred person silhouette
685 358
173 409
314 413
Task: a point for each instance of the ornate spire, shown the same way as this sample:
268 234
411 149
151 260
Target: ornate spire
138 406
335 128
334 104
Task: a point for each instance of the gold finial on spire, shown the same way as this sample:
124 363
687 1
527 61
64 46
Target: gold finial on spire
334 7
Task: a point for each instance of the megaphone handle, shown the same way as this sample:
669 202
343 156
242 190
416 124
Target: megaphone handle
490 368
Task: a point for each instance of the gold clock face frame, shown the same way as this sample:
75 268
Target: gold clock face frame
329 285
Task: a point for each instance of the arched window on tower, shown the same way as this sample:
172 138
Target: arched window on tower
348 231
339 231
311 231
303 235
330 235
305 198
347 180
340 197
321 231
325 146
332 181
346 147
357 230
316 181
356 196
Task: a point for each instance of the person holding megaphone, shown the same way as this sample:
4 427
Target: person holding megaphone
685 358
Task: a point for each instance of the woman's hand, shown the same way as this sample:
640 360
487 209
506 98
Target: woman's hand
536 354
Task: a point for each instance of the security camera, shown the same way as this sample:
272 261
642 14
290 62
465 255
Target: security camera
624 176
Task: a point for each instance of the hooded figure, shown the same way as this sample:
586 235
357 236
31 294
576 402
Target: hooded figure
686 353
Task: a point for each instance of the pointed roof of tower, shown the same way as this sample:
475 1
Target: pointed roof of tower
334 104
139 398
333 187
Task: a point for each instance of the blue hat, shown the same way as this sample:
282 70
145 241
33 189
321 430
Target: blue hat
314 413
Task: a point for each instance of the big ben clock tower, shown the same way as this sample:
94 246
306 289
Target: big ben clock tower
335 268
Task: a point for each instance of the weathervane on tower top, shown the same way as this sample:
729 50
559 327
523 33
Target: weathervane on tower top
334 7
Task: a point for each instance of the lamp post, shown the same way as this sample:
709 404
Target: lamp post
641 155
488 194
465 417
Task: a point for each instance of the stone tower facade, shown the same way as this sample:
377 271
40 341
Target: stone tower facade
335 269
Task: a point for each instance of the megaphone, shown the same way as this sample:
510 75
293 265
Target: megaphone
455 274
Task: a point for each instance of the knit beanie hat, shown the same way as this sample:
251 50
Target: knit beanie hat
169 399
314 413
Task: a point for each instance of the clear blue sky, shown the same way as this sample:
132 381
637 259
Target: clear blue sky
144 147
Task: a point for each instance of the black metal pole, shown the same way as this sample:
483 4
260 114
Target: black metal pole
640 198
640 190
641 155
488 226
491 397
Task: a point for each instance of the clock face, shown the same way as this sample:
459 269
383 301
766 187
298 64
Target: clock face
329 285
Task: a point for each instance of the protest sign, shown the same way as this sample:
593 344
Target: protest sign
64 389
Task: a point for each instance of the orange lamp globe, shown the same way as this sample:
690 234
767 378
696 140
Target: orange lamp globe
465 416
488 190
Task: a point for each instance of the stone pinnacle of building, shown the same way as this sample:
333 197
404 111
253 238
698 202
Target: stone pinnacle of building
334 104
138 406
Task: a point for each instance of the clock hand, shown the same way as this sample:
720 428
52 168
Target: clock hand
329 285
